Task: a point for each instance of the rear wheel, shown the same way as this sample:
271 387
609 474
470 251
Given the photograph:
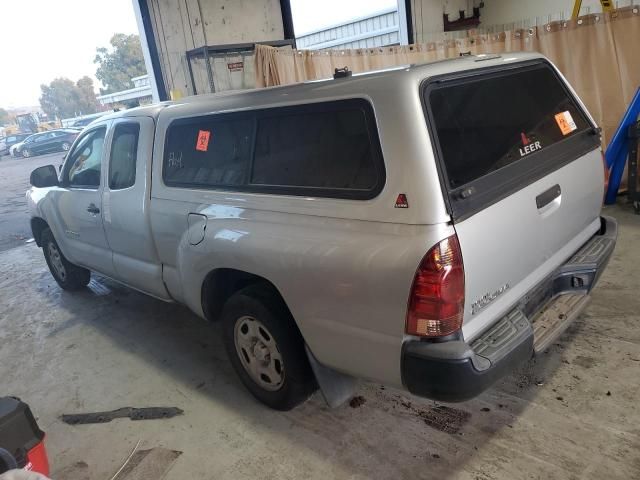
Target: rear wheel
266 348
66 274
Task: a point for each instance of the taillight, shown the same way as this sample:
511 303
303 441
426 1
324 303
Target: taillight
436 302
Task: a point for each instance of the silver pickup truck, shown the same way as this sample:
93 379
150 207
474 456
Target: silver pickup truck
427 227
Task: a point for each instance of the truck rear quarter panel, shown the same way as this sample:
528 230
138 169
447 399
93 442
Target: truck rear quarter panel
346 282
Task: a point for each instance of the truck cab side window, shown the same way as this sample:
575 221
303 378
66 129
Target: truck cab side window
124 154
82 168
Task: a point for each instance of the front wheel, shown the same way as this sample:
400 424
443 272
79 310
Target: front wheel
66 274
66 146
266 348
26 153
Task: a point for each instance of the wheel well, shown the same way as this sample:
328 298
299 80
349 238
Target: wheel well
221 283
37 227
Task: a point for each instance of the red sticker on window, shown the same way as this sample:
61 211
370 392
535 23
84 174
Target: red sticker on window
203 140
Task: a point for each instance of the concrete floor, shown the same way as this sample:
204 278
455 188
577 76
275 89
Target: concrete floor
573 413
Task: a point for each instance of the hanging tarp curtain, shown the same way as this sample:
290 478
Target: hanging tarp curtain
599 54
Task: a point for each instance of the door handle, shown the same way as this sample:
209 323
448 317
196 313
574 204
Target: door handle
548 196
93 209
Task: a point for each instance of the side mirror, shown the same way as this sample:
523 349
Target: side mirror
44 177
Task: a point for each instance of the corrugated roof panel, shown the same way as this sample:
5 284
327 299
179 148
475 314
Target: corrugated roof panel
378 30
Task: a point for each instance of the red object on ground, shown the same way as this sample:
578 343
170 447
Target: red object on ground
37 460
21 440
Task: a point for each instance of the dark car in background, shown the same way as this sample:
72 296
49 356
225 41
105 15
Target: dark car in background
83 122
7 142
46 142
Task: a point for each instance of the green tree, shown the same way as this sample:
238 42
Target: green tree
59 98
4 116
87 101
63 99
120 63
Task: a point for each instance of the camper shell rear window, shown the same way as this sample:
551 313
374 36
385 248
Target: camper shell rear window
496 130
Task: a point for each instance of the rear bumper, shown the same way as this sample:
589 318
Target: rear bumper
455 371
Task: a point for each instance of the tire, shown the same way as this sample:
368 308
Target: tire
69 276
65 146
7 461
258 330
26 153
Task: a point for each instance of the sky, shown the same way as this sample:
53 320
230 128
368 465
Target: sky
44 39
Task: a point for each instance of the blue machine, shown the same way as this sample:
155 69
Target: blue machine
618 149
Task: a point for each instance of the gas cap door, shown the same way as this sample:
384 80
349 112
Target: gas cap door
197 227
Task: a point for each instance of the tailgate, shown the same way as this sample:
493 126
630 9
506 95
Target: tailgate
519 159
